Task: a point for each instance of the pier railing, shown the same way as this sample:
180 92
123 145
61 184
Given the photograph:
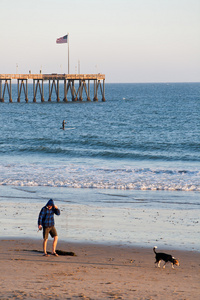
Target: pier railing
77 91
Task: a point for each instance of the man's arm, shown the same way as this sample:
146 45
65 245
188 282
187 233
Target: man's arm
41 215
56 210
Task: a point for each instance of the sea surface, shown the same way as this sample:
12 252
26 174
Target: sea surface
135 159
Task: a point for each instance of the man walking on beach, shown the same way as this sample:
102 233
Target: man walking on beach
46 221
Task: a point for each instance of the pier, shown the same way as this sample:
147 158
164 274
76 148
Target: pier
77 85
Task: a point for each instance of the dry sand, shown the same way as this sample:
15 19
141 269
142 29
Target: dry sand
97 272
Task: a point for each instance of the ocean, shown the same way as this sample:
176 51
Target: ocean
124 171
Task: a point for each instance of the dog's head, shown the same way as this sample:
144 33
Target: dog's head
175 261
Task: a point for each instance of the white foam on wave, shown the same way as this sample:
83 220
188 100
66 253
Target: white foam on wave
82 176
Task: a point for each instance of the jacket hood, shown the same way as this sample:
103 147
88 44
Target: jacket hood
50 203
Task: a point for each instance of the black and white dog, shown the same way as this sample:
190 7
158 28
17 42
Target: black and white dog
166 258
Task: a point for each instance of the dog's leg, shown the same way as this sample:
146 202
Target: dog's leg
164 265
158 264
172 266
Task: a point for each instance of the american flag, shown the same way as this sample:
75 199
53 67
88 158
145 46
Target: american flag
62 40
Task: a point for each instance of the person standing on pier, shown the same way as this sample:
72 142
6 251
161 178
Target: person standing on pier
46 221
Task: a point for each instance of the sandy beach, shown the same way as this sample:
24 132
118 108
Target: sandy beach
96 272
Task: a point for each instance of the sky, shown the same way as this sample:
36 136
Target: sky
127 40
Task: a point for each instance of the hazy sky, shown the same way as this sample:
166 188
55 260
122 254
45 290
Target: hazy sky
127 40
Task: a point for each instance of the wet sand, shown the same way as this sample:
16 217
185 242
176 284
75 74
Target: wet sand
96 272
131 218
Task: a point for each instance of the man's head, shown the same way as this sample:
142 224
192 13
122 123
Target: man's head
50 204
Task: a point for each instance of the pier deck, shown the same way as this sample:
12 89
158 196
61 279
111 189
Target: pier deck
54 80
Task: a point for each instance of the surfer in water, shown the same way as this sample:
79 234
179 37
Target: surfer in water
63 125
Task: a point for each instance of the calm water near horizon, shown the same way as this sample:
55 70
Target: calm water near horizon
138 151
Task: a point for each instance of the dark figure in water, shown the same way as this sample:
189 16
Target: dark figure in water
63 125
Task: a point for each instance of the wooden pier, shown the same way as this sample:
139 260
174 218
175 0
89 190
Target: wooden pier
78 91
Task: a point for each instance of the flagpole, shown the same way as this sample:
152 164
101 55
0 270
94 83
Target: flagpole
68 50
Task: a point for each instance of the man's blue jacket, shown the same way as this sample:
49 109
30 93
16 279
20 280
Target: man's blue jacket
46 216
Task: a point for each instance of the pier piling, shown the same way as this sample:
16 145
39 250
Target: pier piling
21 86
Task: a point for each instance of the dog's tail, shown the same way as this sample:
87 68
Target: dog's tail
154 249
